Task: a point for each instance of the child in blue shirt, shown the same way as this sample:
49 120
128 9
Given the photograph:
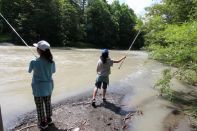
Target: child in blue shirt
42 82
103 71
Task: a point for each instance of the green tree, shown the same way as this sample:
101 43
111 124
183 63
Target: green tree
127 21
115 14
193 10
172 37
34 20
57 21
64 22
0 4
81 4
71 21
110 26
174 11
1 22
99 23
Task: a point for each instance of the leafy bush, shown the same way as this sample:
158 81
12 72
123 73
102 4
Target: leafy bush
164 84
180 50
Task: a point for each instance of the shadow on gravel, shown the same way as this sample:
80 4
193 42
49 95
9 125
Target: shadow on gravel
53 128
116 109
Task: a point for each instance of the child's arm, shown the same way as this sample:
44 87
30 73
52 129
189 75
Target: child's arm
53 67
98 67
30 67
118 61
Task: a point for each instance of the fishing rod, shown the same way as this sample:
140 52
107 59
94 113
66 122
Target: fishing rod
130 47
17 34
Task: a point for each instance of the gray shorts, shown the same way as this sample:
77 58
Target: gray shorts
99 84
102 81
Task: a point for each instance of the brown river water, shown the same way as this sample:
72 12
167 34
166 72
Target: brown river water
76 73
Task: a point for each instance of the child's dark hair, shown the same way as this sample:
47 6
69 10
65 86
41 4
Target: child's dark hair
47 55
104 57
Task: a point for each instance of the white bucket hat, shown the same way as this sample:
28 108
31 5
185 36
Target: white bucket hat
43 45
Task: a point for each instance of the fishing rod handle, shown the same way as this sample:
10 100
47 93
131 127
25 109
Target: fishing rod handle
121 63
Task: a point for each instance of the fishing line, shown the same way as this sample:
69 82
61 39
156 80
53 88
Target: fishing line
130 48
17 34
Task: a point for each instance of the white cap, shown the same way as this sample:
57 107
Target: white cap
43 45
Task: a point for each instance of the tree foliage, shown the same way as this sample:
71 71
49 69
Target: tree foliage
171 33
63 22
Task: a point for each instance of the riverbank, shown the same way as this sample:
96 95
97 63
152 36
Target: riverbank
77 112
148 110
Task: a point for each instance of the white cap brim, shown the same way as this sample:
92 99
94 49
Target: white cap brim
43 45
35 44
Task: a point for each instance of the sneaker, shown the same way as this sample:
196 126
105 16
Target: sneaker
93 103
49 121
43 125
104 100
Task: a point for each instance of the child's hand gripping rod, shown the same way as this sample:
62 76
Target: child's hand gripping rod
17 34
130 48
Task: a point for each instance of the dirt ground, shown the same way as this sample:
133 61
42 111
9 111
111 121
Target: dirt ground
78 112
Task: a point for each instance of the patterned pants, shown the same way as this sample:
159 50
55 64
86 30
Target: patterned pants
43 106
